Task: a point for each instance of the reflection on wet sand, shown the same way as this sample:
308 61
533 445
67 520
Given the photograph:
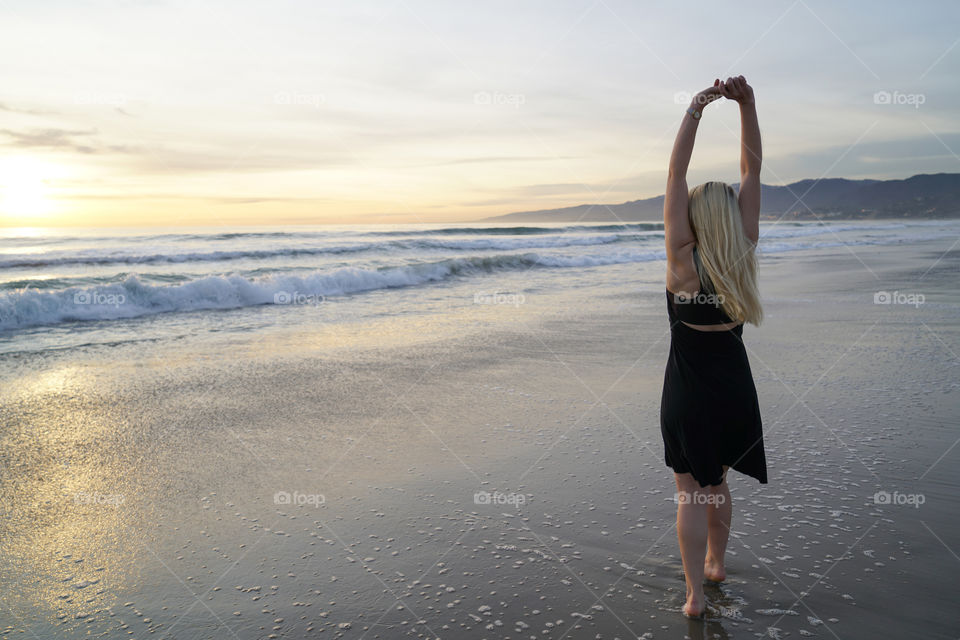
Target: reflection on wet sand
74 503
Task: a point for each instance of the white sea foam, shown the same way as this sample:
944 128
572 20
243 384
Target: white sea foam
132 297
71 280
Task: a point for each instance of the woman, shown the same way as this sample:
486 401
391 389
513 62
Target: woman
709 414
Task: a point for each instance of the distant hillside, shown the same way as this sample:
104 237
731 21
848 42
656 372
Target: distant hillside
921 196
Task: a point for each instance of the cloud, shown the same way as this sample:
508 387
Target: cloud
499 159
140 197
880 159
217 155
50 139
491 202
31 112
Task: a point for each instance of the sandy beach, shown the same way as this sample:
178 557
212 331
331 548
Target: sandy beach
491 472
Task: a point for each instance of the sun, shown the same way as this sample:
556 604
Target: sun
24 187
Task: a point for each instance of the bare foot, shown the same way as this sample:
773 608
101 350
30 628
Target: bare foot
714 571
694 607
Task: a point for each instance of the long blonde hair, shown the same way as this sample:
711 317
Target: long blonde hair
724 256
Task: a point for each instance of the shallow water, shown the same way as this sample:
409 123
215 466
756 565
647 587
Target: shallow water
144 483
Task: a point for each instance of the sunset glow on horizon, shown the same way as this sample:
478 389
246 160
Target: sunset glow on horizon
174 113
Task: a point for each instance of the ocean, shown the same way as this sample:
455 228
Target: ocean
63 289
452 431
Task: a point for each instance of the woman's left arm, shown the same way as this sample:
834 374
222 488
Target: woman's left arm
676 222
751 154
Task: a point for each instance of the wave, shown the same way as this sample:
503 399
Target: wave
525 230
443 231
801 229
133 298
301 234
556 239
34 261
784 247
777 229
13 261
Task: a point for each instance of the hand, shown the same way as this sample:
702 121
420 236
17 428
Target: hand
708 95
736 89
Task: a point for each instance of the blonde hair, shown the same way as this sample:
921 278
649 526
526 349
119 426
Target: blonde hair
724 257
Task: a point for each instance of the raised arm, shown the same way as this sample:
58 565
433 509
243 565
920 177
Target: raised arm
751 154
676 223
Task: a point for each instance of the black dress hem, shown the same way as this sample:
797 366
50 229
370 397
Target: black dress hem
761 478
709 410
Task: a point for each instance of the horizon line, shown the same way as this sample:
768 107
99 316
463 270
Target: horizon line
485 220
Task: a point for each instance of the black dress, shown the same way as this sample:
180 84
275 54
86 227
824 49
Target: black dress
709 413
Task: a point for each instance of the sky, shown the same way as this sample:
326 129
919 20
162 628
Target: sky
132 113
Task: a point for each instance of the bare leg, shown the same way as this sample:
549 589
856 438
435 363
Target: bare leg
719 513
692 535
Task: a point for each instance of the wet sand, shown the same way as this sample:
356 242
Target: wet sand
505 480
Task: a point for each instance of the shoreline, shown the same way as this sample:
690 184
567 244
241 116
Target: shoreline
410 434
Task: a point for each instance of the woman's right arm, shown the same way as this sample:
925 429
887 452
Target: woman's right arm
751 154
678 235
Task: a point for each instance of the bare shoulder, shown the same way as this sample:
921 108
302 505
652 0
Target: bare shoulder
681 272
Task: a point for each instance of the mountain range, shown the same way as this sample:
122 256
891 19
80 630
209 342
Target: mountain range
921 196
